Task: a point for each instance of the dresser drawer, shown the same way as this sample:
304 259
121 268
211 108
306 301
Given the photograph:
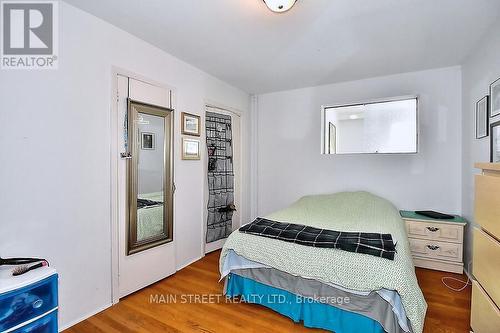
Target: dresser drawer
485 316
435 231
487 203
26 303
486 267
436 250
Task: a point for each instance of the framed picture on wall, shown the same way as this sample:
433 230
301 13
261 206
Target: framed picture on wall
148 141
482 121
190 124
495 98
495 142
190 149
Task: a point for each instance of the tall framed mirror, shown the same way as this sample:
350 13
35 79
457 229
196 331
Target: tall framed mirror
149 173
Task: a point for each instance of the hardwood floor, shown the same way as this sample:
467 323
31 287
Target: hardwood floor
448 311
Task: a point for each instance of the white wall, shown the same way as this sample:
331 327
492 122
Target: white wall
478 71
55 165
290 164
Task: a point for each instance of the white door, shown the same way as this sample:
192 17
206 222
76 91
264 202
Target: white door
236 144
144 266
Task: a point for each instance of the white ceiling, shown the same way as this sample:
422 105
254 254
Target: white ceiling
316 42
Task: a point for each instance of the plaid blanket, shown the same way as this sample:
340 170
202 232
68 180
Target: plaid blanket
379 245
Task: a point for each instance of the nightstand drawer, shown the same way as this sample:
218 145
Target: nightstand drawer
435 231
436 250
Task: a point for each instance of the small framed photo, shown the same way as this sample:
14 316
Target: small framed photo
190 149
495 142
495 98
148 141
190 124
482 120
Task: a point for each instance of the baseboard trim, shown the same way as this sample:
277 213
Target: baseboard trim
440 265
90 314
214 246
188 263
469 274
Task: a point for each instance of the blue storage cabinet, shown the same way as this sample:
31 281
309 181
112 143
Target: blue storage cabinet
29 302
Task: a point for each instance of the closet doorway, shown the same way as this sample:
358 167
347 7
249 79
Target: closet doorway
223 175
145 249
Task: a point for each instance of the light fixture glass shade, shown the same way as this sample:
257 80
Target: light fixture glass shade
280 6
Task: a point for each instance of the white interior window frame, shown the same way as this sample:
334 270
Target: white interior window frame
324 147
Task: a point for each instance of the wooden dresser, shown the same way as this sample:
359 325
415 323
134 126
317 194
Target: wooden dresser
435 244
485 313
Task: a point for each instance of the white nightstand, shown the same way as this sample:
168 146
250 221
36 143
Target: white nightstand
436 244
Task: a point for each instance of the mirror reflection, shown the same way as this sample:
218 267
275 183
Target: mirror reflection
150 178
371 128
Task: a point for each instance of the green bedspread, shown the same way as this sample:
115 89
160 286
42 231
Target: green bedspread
347 211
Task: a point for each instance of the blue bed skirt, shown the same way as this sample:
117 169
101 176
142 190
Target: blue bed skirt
297 308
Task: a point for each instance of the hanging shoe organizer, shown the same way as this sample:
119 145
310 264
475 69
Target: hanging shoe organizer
220 176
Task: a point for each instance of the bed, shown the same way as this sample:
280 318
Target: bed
311 285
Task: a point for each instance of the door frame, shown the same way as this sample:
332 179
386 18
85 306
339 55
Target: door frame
204 156
114 150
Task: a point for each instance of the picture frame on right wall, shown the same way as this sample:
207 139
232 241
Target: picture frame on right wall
482 120
495 98
495 142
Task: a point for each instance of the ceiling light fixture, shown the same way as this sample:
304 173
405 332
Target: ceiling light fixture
279 6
